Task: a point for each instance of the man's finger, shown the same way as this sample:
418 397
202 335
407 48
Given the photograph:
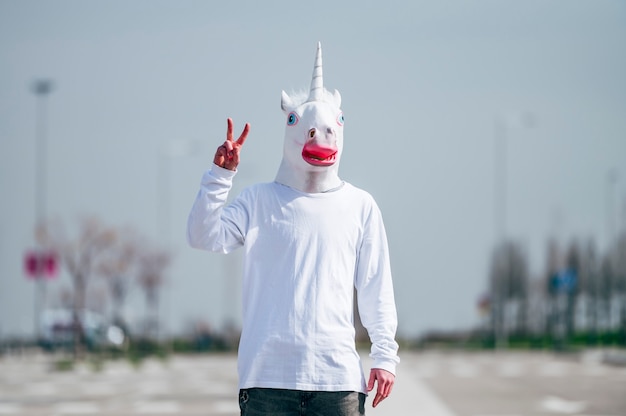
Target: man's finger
381 390
370 383
389 388
244 134
381 393
384 381
229 130
384 387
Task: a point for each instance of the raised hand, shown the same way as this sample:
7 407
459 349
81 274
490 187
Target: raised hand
385 381
227 155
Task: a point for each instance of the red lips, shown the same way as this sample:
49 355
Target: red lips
318 155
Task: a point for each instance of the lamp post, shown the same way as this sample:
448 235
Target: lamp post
172 150
501 171
41 88
611 223
501 126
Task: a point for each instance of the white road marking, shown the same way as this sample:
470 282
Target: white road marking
558 405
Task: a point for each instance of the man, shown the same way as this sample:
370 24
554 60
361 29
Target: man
310 239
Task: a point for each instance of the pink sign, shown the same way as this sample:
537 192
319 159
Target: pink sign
41 264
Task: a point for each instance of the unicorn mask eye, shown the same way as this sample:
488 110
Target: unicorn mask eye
340 119
292 119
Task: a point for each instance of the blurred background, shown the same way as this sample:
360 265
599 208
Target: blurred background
491 133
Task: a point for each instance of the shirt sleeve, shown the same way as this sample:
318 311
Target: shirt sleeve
211 224
375 293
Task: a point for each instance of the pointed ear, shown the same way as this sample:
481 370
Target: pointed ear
286 103
337 98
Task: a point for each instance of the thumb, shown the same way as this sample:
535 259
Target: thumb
370 383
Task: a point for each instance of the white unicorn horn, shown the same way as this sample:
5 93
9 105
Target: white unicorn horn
317 83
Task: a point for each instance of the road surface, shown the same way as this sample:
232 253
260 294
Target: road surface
428 384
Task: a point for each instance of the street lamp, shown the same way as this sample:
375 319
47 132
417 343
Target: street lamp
611 182
41 88
501 126
172 150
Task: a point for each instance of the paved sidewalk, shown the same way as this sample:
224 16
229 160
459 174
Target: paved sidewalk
427 384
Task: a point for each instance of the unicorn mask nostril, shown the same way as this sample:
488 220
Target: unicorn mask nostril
330 132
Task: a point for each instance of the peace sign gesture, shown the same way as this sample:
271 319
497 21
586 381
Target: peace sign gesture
227 155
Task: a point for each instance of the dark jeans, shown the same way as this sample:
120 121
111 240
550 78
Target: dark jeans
279 402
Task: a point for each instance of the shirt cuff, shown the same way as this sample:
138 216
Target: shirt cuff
387 365
219 174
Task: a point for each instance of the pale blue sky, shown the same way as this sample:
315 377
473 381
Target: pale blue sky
422 84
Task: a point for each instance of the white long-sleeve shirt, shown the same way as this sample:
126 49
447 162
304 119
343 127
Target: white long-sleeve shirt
304 255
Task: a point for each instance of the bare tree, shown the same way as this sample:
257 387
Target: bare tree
619 260
553 265
588 278
537 306
573 265
78 254
605 292
116 266
151 268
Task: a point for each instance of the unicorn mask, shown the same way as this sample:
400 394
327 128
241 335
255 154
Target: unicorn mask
313 137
